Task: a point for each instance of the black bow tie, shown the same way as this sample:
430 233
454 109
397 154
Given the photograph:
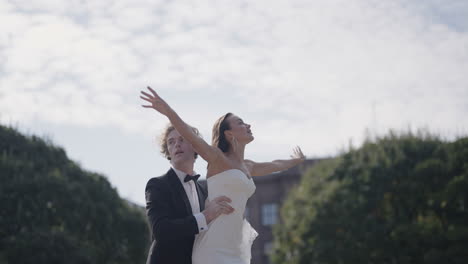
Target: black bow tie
191 178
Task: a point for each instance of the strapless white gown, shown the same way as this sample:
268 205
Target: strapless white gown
229 238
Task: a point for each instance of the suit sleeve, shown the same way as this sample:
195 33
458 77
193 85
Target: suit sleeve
163 226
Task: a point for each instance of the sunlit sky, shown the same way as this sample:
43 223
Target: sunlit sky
318 74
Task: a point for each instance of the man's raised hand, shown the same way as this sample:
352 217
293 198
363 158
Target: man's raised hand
216 207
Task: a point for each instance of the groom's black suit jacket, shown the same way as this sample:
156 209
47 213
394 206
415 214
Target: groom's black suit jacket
172 224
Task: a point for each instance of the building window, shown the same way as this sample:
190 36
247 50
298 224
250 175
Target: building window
269 214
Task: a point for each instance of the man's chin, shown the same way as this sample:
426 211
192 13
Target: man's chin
181 159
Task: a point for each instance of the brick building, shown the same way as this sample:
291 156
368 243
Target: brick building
263 207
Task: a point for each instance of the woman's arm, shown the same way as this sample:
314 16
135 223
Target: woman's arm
206 151
265 168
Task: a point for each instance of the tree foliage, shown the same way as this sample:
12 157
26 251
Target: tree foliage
397 199
52 211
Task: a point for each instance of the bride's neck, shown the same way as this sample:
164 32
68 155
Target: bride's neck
238 153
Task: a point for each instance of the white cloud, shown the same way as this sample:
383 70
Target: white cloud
309 73
314 67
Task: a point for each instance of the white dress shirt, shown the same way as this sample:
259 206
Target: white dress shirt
192 194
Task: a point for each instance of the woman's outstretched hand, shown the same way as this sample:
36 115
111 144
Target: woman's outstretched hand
157 103
297 154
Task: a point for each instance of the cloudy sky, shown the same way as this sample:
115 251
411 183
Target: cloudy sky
318 74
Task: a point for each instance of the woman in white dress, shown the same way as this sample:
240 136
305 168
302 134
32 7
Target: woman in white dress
229 237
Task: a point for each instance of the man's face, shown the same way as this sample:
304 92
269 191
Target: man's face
180 150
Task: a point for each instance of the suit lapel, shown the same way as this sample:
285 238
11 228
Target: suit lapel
179 189
201 196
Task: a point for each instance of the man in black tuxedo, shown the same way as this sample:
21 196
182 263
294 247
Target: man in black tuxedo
175 204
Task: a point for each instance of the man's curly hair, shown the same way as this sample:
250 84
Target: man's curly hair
163 140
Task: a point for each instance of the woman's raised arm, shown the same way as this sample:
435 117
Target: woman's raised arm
206 151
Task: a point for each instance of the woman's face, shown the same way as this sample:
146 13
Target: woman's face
238 129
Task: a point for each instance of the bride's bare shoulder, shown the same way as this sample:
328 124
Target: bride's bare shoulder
249 164
221 164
